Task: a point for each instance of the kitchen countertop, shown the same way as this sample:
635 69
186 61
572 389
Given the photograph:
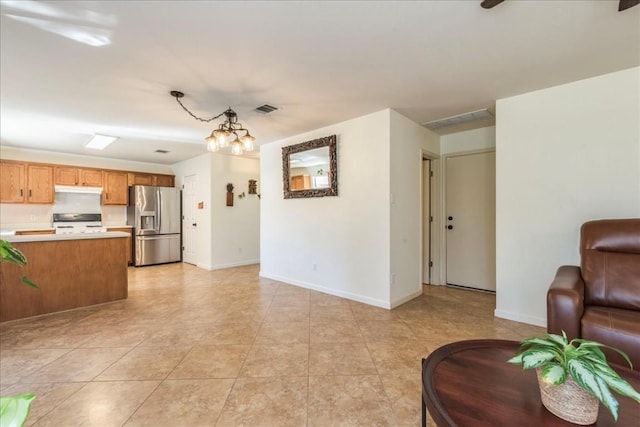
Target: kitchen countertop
57 237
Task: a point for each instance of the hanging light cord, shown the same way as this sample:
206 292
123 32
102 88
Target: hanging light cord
177 95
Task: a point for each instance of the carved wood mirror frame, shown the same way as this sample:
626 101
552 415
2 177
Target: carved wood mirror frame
332 190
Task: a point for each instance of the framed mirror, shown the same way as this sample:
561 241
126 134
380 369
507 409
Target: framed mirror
310 169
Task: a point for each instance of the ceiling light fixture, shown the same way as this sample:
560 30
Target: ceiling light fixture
99 142
231 126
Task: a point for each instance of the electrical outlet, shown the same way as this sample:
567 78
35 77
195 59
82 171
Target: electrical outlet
393 278
32 217
239 250
315 267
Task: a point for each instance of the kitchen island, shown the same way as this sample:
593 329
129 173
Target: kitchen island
72 271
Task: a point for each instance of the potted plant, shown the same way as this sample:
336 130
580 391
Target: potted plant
566 369
14 409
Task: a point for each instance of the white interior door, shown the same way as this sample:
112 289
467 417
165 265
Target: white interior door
189 223
471 220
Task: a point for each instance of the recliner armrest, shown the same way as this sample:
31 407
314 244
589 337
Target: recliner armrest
565 302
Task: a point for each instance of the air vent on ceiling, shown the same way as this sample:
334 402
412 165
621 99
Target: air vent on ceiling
456 120
161 151
266 109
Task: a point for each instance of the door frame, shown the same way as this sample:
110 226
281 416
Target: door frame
443 205
435 194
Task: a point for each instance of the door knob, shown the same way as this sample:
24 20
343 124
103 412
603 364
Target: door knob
450 218
449 227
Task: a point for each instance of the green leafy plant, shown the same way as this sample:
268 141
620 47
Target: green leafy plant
15 409
583 360
14 256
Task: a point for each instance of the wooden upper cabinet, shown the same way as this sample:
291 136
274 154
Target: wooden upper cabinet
91 177
138 178
12 182
165 180
116 189
39 184
65 175
69 175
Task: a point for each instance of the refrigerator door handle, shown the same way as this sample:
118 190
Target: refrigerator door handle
159 210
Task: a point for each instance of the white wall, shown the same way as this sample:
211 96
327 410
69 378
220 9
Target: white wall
235 230
338 245
564 155
408 140
200 167
469 140
227 236
15 153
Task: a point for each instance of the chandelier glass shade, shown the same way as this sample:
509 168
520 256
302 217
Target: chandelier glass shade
221 137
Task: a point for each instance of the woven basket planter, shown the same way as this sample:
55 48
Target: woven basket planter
569 401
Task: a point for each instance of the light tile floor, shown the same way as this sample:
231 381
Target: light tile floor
192 347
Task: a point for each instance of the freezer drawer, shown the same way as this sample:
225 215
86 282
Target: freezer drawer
157 249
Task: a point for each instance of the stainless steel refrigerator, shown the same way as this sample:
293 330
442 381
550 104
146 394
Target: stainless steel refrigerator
155 214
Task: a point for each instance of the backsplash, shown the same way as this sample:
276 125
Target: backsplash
76 203
20 216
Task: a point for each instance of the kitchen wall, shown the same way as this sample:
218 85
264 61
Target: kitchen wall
565 155
227 235
342 245
36 216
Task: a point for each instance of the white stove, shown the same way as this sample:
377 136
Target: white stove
69 223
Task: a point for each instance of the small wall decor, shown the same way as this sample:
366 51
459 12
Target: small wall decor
229 194
253 186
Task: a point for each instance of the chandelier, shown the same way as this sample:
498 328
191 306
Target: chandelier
219 137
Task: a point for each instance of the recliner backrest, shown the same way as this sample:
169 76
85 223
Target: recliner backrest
610 262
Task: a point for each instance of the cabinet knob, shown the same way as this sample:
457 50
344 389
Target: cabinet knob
449 227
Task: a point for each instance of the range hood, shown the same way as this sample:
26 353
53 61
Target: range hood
77 189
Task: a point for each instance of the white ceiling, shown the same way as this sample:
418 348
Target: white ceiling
319 62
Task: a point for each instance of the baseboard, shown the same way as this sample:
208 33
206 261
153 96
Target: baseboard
530 320
408 298
229 265
335 292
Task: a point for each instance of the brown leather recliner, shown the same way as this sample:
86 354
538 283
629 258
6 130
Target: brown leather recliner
600 300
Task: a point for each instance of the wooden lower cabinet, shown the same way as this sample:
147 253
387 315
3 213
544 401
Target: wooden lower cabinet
128 230
70 274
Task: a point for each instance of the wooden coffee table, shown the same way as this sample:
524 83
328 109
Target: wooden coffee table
470 383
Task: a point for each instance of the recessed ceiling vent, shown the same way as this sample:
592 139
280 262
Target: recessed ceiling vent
456 120
266 109
161 151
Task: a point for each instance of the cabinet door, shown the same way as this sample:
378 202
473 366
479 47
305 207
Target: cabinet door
140 179
12 188
164 180
40 184
91 177
129 241
66 175
115 188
